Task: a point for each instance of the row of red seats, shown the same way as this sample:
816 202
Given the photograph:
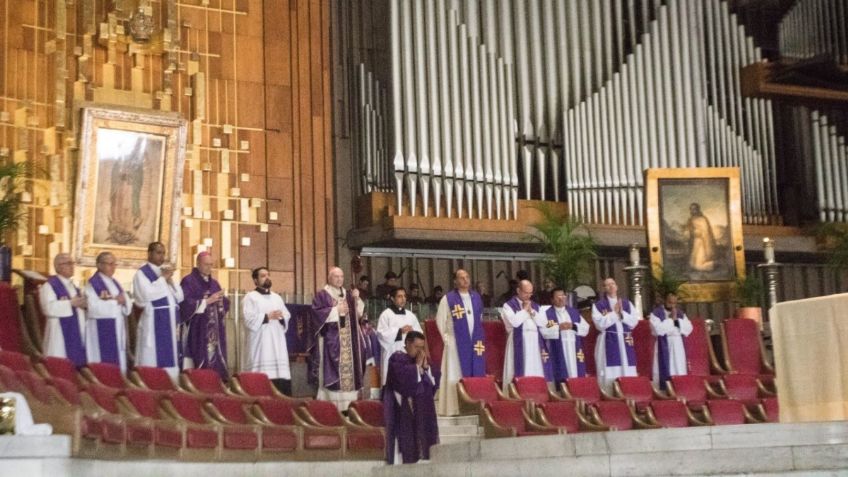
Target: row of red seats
742 347
146 415
581 405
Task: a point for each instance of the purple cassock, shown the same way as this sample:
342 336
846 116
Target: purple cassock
71 333
613 356
518 344
558 359
469 347
204 338
662 348
336 367
410 423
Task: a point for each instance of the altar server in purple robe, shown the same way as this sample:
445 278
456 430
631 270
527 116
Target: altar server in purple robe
266 320
408 407
394 324
614 317
108 309
565 331
460 322
203 313
158 293
64 306
337 353
526 351
670 325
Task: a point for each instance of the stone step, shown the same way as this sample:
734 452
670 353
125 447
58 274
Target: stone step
457 439
460 431
458 421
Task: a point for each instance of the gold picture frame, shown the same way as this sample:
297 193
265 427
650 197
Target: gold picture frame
694 226
129 183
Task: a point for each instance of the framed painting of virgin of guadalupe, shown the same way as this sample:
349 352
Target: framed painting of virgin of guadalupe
694 224
128 184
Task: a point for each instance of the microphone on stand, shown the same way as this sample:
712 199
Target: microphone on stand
342 318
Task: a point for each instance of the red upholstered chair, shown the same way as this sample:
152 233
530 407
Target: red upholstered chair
643 344
54 367
533 389
256 385
204 382
618 416
241 433
104 426
474 393
771 409
728 411
589 343
748 390
319 443
107 374
638 391
361 441
200 433
673 413
434 343
744 352
585 389
510 419
8 380
495 342
15 361
367 413
168 435
33 384
565 415
700 355
155 379
694 390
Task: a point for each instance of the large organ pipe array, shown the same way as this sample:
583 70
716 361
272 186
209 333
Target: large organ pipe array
568 100
371 119
815 27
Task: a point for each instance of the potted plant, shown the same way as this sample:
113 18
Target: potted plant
665 282
11 175
749 296
567 246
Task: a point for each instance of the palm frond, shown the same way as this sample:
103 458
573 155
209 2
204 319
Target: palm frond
568 247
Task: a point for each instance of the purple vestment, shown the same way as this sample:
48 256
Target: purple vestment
71 333
335 366
204 338
558 358
613 356
469 348
107 337
412 422
518 344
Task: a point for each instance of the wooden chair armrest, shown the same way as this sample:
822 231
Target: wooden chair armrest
502 396
467 404
617 393
235 385
355 418
318 428
712 393
694 420
136 380
512 392
755 417
126 408
609 397
492 429
556 397
592 422
648 417
640 423
563 389
213 415
764 391
88 376
256 413
660 394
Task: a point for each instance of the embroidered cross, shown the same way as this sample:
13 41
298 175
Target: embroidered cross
628 338
479 348
580 356
545 356
458 312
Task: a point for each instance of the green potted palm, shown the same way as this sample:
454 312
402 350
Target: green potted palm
567 246
11 211
665 282
749 298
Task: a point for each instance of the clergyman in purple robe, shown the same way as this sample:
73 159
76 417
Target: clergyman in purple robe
203 315
615 318
409 409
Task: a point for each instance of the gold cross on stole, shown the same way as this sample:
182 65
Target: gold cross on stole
545 356
628 338
580 356
479 348
458 312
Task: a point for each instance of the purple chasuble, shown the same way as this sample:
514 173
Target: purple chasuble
662 349
613 356
162 331
412 422
518 344
558 357
71 334
107 337
203 335
333 365
470 348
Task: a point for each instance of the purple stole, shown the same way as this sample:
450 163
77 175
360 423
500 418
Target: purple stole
71 334
518 344
106 336
162 331
558 354
470 348
662 350
613 357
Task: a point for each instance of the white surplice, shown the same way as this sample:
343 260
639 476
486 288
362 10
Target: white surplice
568 338
265 342
391 340
448 400
608 374
676 349
146 292
106 309
53 309
527 326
